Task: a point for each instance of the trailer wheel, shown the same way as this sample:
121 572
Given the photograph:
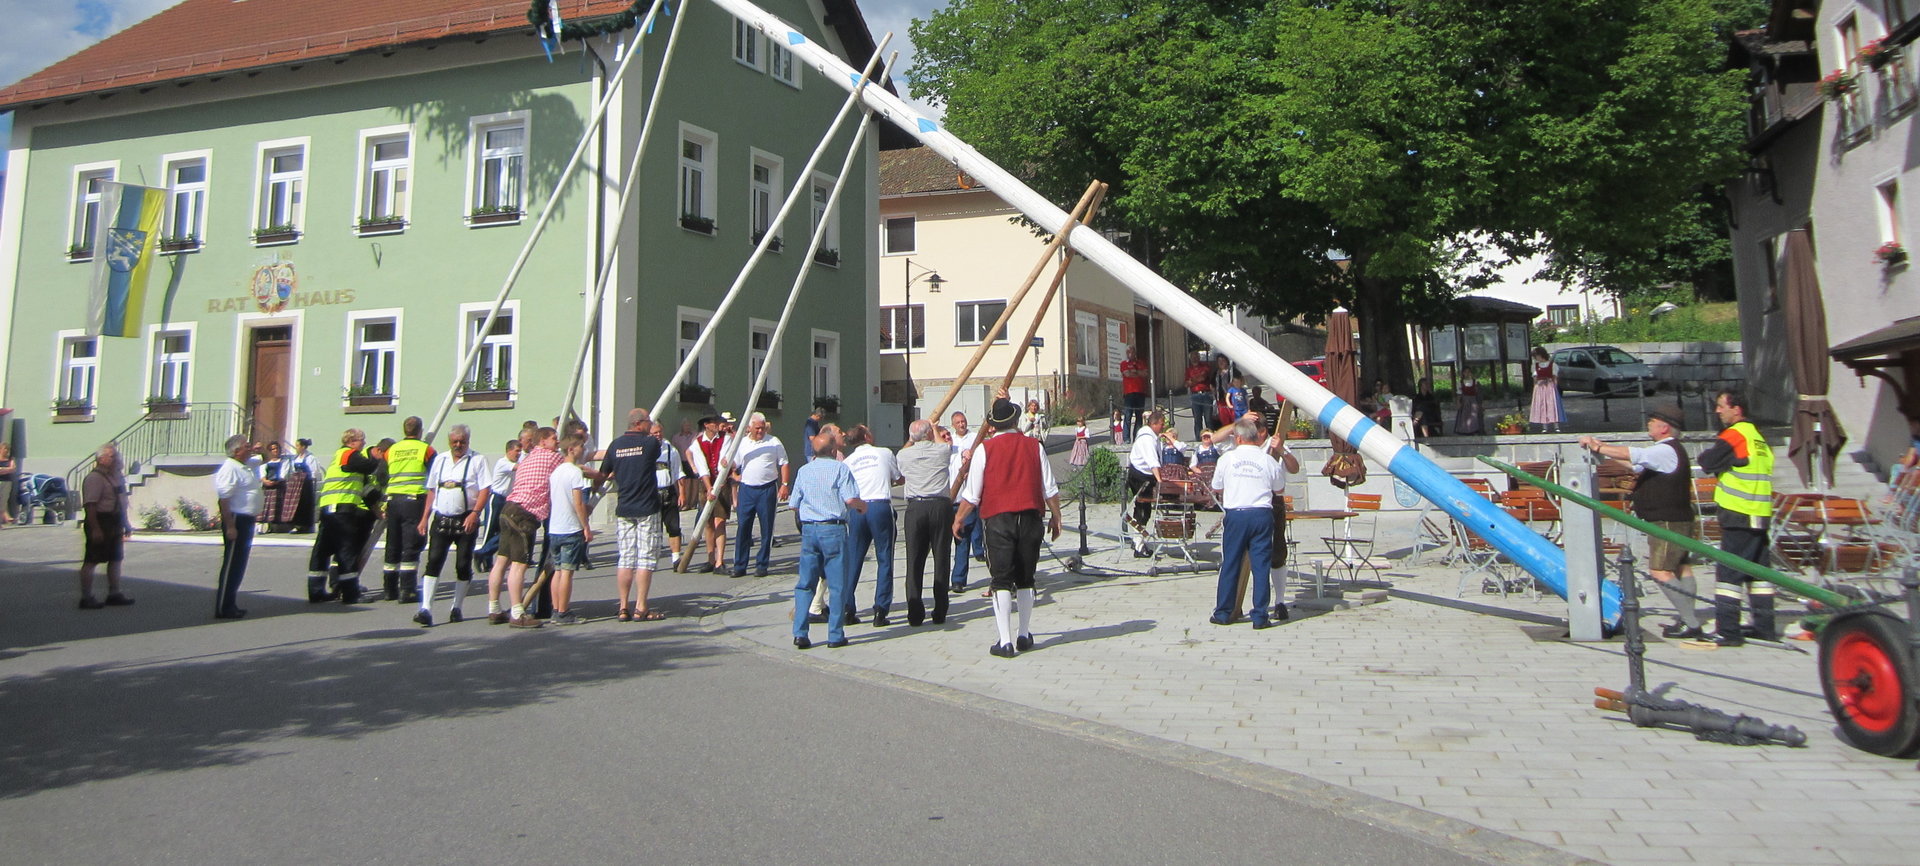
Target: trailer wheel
1868 673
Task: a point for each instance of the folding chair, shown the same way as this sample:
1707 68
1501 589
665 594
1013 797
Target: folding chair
1352 545
1479 557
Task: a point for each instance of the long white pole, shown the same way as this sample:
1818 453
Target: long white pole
630 184
780 328
477 338
760 249
1531 551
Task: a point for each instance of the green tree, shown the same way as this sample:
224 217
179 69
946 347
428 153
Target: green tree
1251 144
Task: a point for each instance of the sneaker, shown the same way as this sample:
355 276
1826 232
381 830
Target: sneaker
88 602
525 621
497 618
567 617
118 600
424 618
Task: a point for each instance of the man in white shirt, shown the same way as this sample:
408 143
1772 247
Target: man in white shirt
238 487
1246 481
459 483
876 471
969 545
567 531
1143 478
758 466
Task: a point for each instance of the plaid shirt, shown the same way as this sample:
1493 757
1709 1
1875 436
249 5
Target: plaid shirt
530 478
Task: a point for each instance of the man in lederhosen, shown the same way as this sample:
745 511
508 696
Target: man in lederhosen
1663 495
458 486
1009 481
1143 478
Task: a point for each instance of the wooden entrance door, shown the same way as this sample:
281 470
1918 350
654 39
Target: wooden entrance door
268 385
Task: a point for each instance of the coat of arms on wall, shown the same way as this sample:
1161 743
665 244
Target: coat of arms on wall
273 286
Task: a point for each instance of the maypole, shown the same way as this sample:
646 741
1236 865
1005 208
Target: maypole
1531 551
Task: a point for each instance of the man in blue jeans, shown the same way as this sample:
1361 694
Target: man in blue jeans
1247 481
760 463
969 543
876 472
824 497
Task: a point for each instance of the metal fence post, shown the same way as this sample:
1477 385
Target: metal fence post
1580 532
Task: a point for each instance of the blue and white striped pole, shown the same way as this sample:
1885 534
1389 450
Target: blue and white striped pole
1526 548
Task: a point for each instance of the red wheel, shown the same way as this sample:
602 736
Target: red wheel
1867 671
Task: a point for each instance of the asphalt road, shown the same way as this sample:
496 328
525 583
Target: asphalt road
323 734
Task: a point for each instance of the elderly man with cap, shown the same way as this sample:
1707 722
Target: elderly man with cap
1009 481
1663 495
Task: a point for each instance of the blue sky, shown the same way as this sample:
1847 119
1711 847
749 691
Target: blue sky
40 33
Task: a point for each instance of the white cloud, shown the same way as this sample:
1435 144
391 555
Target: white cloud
40 34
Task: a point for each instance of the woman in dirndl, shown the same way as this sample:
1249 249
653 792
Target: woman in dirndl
1082 447
1545 410
1467 413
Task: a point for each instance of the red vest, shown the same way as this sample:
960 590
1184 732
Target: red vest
1012 482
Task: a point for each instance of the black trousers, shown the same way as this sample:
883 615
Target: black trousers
444 532
1013 549
345 531
1136 412
1749 542
404 541
1140 487
929 525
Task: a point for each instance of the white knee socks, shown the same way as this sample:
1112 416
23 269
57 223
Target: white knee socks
427 587
1025 597
459 592
1002 610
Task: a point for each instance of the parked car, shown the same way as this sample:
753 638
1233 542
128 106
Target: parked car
1315 369
1600 369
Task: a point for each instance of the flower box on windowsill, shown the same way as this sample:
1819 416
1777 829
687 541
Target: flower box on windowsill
698 224
370 400
180 245
72 410
769 401
494 217
773 246
275 235
166 409
696 395
393 226
828 404
486 395
79 254
830 258
85 417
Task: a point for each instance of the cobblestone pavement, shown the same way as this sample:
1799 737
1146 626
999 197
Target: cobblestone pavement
1427 700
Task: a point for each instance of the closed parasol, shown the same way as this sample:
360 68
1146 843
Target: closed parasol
1343 379
1815 429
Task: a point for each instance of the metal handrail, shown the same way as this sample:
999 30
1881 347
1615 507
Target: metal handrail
197 430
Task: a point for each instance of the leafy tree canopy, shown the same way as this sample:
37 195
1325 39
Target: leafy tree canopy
1254 142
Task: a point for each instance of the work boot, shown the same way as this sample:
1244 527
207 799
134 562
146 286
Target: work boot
1726 615
1763 625
409 587
317 588
349 591
390 583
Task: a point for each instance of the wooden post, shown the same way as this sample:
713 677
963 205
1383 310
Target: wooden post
1053 289
1059 239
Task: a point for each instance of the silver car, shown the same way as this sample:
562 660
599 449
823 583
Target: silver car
1600 369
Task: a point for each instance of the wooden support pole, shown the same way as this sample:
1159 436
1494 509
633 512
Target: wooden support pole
1046 300
1059 240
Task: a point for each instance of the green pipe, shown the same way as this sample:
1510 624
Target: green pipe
1791 584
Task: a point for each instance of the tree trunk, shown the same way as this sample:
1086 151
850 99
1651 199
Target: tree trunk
1384 353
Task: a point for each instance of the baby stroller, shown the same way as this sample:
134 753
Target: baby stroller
48 492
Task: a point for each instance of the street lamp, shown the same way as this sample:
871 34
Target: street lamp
934 282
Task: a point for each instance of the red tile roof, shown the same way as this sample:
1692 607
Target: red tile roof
203 37
921 170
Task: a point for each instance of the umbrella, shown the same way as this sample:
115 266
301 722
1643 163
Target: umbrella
1815 429
1343 379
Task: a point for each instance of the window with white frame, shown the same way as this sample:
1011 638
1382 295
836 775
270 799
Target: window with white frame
499 165
746 44
687 331
780 64
79 369
759 353
697 159
374 366
388 160
763 195
283 178
823 193
971 319
1563 315
899 235
172 364
493 367
826 364
88 184
186 200
1086 343
903 327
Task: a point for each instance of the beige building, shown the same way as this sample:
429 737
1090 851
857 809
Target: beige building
934 220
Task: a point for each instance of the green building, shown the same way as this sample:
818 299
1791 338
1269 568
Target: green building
348 185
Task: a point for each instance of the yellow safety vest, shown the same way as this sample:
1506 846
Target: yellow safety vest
341 487
407 468
1748 489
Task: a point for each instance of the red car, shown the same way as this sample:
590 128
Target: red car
1315 369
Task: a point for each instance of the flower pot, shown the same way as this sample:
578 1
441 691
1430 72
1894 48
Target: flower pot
488 219
1298 434
1512 429
370 400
